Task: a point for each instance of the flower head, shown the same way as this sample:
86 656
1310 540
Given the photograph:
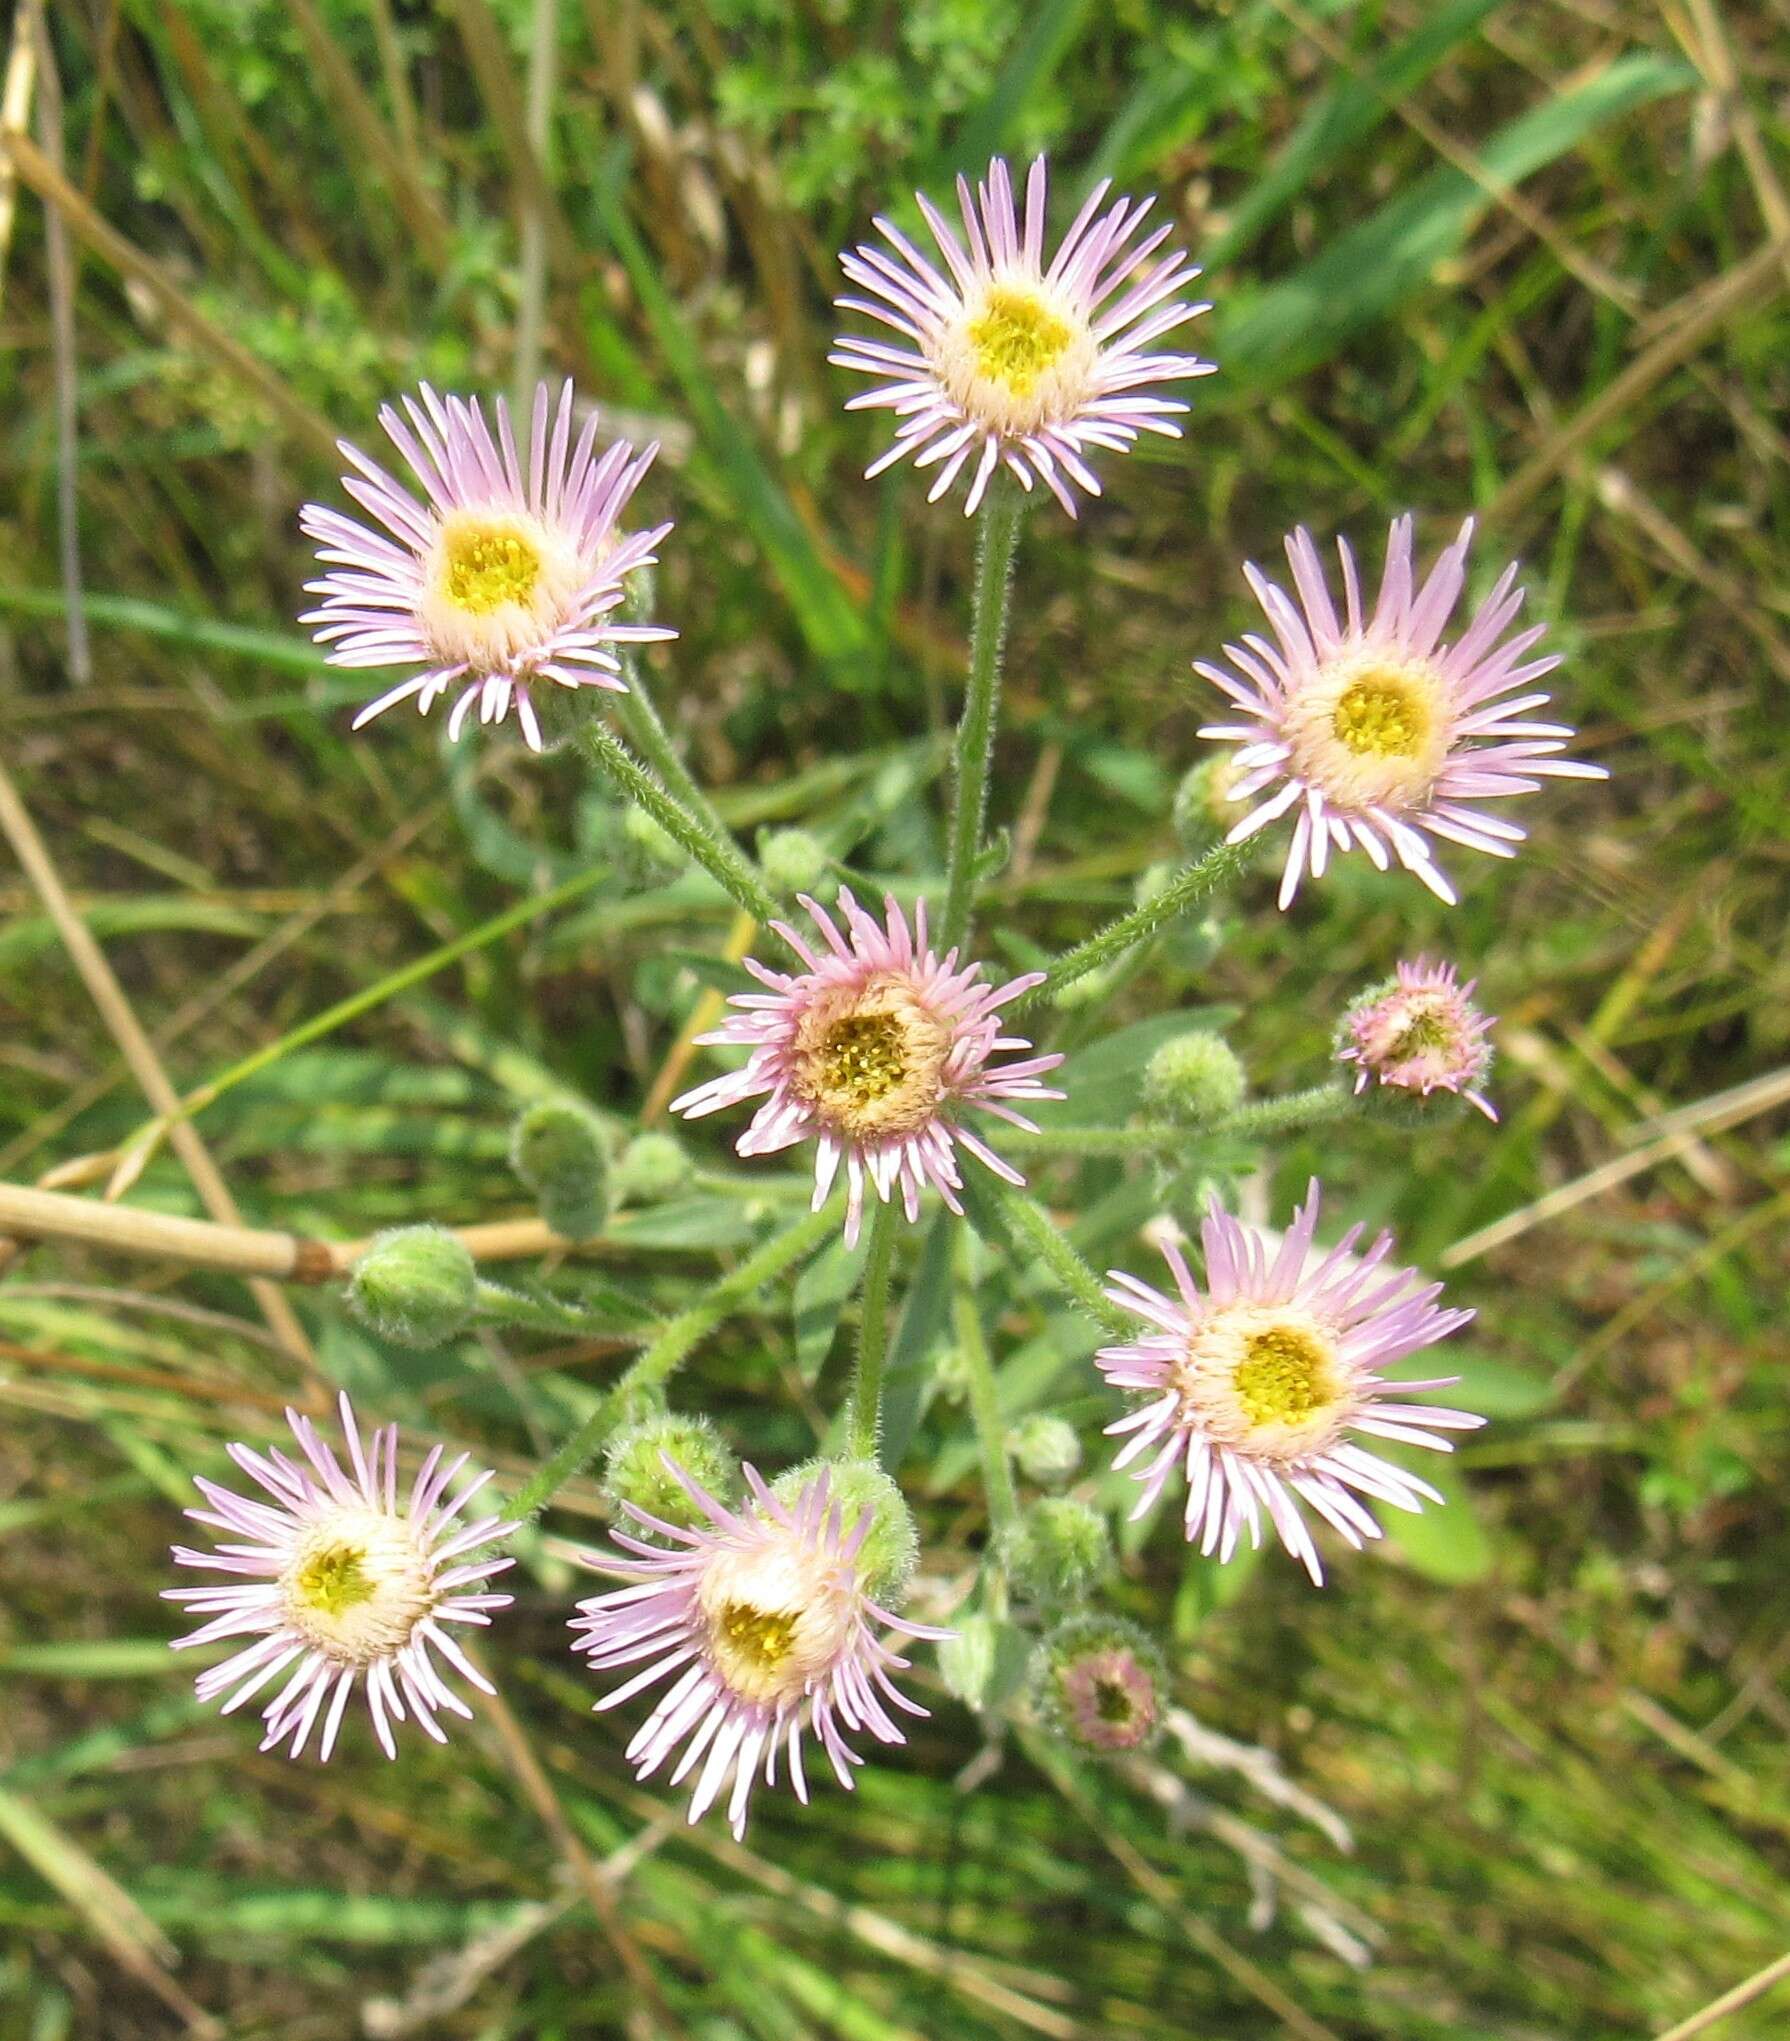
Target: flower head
764 1616
1256 1383
1380 737
1099 1682
342 1581
1005 360
1420 1032
873 1050
503 579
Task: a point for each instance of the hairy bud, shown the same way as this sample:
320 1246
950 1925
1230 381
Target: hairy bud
634 1470
1046 1448
1059 1551
891 1548
793 860
415 1286
1099 1683
1194 1077
653 1167
561 1152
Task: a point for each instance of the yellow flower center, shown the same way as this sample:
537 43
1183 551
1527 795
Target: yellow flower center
1381 715
1016 338
333 1579
1266 1380
1369 727
761 1638
864 1057
487 564
870 1059
357 1585
1425 1033
1112 1701
1283 1377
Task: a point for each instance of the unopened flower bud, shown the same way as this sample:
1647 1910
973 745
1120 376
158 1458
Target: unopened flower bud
793 860
966 1660
653 1167
1194 1077
561 1152
891 1548
647 853
1153 881
415 1286
1046 1448
1099 1683
634 1471
951 1372
1203 811
1419 1040
1058 1551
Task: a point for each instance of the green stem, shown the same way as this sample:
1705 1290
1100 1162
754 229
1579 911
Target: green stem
496 1304
716 852
997 539
1187 889
671 1345
865 1419
985 1408
1032 1226
639 716
1281 1115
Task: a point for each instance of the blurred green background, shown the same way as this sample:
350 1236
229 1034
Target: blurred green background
1522 257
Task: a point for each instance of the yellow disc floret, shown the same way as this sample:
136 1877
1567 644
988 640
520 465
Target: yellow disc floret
1019 356
487 564
1016 337
870 1059
1369 728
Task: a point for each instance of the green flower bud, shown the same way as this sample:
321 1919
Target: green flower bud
1099 1683
891 1549
1087 990
793 860
634 1470
561 1152
951 1373
646 852
966 1659
415 1286
1046 1448
1152 881
653 1167
1203 813
1058 1551
1194 1077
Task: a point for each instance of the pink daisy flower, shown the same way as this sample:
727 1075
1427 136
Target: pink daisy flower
1420 1032
1375 734
503 579
873 1050
1256 1384
1004 360
763 1615
341 1581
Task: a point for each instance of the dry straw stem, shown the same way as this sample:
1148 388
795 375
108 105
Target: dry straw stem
1692 319
36 170
15 118
126 1030
413 199
1671 1134
509 120
1755 1987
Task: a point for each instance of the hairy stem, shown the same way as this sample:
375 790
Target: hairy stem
497 1304
1031 1226
1187 889
985 1409
711 847
1282 1115
997 540
864 1420
671 1346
